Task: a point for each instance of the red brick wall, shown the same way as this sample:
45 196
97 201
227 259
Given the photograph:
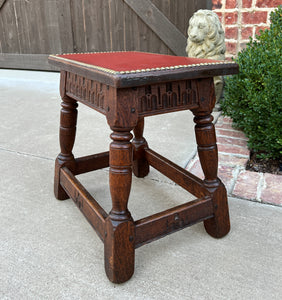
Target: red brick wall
242 19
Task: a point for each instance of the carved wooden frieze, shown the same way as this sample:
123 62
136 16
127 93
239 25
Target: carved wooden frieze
85 90
166 97
152 99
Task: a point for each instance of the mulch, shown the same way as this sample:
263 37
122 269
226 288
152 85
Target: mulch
257 164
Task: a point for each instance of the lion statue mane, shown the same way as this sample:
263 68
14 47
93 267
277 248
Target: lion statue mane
205 36
206 40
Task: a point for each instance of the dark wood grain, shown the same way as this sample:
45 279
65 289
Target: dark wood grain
161 224
140 163
119 251
67 138
91 163
186 180
120 231
93 212
219 225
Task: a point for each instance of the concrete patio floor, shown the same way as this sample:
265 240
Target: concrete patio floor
49 251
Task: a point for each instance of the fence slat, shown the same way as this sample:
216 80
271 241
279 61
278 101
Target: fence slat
65 26
8 29
160 24
2 2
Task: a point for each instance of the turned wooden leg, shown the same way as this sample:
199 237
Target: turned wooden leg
140 163
219 225
67 137
119 231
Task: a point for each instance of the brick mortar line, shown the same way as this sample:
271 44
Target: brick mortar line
246 9
223 8
228 129
234 154
232 137
260 185
223 4
222 122
254 27
240 17
237 146
234 41
243 25
245 41
235 174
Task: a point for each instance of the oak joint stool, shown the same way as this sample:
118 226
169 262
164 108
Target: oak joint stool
127 87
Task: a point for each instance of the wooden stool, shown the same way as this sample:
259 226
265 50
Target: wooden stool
126 87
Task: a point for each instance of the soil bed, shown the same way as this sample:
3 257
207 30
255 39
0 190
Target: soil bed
273 166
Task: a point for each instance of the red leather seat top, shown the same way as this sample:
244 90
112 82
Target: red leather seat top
132 61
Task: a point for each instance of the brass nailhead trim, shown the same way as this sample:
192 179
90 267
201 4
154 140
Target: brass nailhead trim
137 71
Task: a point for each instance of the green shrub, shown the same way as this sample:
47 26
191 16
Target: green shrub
253 98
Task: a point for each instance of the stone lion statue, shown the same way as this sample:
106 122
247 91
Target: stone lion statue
206 40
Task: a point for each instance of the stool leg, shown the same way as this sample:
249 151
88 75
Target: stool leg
119 232
140 163
219 225
67 136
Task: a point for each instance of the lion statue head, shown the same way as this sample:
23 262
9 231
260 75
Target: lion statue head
206 40
205 36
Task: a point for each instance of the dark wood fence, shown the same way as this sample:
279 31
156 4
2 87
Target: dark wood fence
30 30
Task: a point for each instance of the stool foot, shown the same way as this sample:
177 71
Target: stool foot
140 164
119 240
219 225
59 192
119 250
